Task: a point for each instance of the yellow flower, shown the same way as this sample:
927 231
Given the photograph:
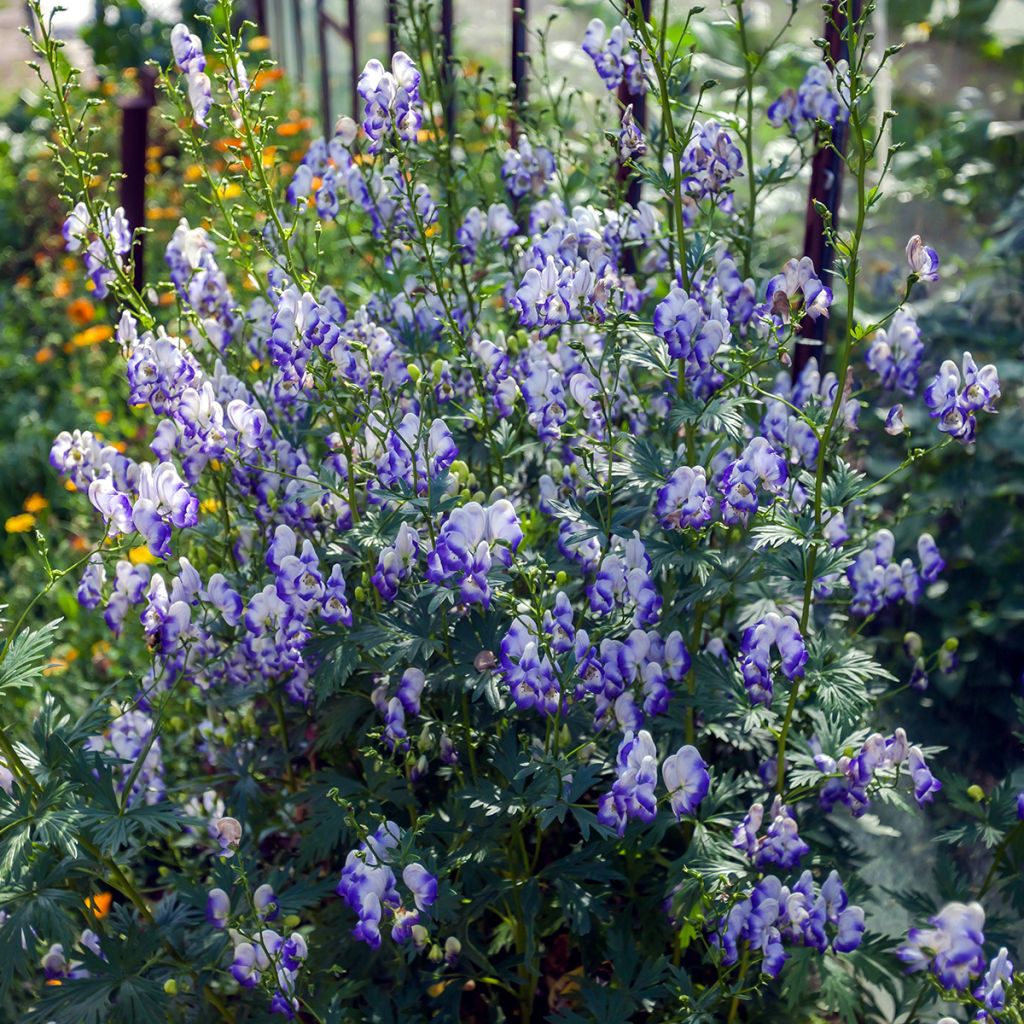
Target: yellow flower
142 556
229 190
193 172
35 503
20 523
259 43
209 505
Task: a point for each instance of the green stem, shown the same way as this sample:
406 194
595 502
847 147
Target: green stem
857 133
748 138
673 143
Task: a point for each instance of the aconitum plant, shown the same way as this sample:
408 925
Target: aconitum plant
505 611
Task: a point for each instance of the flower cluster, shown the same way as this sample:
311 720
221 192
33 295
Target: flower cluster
774 915
391 100
782 632
636 777
188 55
369 887
111 241
854 775
617 59
780 846
953 398
815 99
876 579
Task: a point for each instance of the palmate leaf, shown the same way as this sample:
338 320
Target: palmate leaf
844 686
25 656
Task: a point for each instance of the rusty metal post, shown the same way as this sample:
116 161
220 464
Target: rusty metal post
827 188
520 67
134 143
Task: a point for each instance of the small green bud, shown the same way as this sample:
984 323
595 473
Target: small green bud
171 987
479 496
552 344
976 793
913 644
360 594
951 644
561 577
415 373
435 956
292 921
437 368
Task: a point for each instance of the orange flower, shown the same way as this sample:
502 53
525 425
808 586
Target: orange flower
265 76
193 172
99 904
35 503
259 43
20 523
81 312
43 355
69 263
69 485
93 335
289 128
104 416
61 288
78 542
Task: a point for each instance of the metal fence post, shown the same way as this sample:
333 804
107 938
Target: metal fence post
447 65
134 143
391 13
634 189
827 188
520 67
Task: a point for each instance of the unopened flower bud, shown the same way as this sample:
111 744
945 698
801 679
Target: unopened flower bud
976 793
485 661
912 644
415 373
